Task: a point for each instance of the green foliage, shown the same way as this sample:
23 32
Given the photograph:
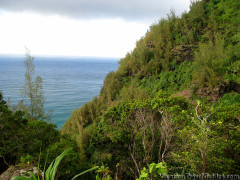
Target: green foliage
209 63
81 131
207 35
197 139
203 143
136 120
39 134
26 160
177 79
228 100
32 177
197 15
137 131
11 125
103 173
112 84
33 102
84 172
132 92
51 171
66 171
49 174
21 138
154 171
234 72
226 122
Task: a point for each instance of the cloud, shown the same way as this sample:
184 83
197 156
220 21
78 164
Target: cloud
97 9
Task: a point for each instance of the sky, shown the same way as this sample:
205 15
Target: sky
95 28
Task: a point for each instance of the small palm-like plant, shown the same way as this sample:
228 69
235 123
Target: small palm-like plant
50 173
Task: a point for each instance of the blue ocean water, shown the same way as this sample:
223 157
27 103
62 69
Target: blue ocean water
68 82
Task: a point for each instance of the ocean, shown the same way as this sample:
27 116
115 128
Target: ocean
68 82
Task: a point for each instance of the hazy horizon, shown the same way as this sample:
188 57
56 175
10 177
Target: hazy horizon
59 56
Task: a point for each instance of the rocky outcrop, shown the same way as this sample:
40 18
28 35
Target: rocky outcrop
17 171
8 174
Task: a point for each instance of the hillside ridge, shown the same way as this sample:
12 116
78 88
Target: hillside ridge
195 56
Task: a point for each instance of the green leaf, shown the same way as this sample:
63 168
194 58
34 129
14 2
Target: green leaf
151 167
19 178
97 177
109 177
94 168
33 177
52 169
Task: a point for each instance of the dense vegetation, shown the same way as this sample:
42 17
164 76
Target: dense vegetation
138 118
174 100
24 141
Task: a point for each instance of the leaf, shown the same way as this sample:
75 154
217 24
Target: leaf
96 167
52 169
143 175
19 178
32 177
109 177
151 167
97 177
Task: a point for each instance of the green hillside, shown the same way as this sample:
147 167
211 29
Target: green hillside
174 99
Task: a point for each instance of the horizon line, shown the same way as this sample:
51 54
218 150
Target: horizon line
61 56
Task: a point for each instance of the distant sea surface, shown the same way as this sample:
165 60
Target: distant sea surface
68 82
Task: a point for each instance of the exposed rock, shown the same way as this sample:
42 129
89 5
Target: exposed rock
7 174
185 93
17 171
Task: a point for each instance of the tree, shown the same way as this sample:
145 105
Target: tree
209 62
197 143
20 137
33 102
10 137
136 133
209 143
